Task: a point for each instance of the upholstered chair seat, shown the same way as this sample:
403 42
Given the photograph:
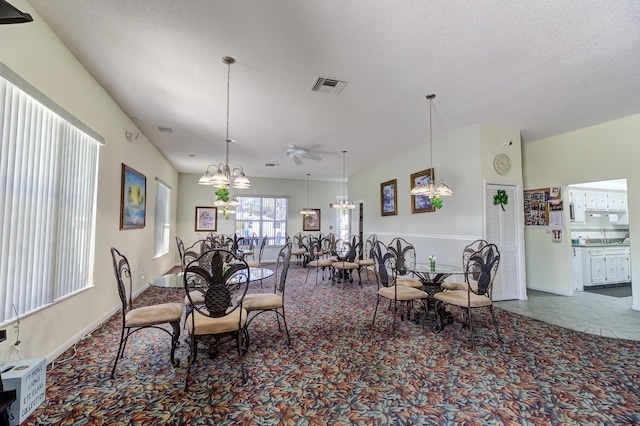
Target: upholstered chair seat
153 315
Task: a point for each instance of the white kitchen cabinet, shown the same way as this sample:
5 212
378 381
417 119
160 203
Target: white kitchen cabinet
597 267
578 269
611 269
577 199
622 201
624 271
612 202
590 200
601 200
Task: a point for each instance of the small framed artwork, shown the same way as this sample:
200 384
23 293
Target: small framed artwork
389 198
206 219
133 199
421 203
312 222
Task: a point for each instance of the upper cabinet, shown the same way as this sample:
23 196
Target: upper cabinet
609 201
577 200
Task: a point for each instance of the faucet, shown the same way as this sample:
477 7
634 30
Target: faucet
604 236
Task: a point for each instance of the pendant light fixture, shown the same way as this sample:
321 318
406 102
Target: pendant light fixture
308 211
344 203
431 190
224 176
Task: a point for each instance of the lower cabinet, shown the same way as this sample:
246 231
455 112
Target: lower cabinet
610 265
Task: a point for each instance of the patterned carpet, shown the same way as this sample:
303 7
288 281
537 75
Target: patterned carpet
343 371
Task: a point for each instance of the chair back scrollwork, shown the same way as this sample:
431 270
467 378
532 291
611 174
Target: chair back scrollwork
221 278
484 265
405 255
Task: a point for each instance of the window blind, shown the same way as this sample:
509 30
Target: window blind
162 225
48 182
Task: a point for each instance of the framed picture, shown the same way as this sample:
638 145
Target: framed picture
133 199
389 198
312 222
206 219
421 203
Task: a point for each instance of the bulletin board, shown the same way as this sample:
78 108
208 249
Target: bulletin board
543 207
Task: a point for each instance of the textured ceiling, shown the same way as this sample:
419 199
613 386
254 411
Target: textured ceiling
544 67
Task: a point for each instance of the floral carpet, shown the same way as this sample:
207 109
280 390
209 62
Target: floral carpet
341 370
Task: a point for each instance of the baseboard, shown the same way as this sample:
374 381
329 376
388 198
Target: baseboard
85 332
552 291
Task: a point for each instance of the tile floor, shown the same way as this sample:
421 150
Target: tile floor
587 312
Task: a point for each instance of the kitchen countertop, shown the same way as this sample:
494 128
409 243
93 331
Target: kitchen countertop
619 244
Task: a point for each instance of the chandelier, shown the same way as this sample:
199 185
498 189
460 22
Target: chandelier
431 189
224 176
344 203
308 211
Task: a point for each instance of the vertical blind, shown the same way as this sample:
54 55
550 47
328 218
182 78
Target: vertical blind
48 182
162 223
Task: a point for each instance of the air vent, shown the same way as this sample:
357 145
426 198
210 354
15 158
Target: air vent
328 85
162 129
270 164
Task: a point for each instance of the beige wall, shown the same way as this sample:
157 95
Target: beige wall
320 195
464 158
602 152
35 53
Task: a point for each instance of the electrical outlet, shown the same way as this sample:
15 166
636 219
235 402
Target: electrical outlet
3 335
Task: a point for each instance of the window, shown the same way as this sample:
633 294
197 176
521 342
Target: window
48 182
162 225
264 216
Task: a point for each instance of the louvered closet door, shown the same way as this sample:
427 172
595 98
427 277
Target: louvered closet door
502 230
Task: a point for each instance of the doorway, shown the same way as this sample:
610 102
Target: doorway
599 228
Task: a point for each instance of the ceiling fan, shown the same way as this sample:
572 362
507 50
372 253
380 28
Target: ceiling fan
295 153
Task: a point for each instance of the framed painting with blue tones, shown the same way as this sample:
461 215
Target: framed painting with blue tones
133 199
389 198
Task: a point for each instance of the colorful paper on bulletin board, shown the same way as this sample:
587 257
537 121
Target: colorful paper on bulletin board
537 203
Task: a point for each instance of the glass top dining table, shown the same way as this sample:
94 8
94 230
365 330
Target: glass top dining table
437 275
176 280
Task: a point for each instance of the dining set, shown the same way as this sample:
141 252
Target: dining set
218 306
420 288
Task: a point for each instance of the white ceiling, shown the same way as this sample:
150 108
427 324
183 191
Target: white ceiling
544 67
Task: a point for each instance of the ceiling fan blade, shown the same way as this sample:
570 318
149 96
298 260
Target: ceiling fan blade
297 161
311 156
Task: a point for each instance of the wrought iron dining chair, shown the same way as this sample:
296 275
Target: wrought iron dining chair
367 260
468 251
482 266
299 248
258 264
259 303
135 319
315 261
405 254
386 273
344 267
221 279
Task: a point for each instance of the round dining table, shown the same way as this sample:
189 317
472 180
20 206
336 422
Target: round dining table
176 280
431 279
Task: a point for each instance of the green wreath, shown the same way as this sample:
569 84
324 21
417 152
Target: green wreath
501 198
